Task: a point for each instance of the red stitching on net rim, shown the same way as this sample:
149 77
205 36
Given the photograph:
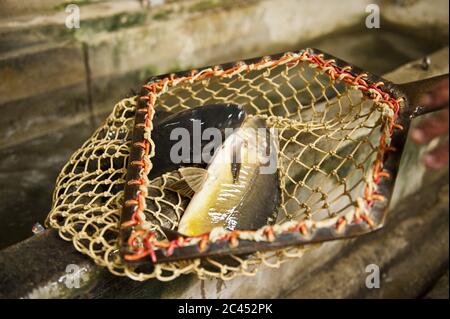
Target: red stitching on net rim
147 246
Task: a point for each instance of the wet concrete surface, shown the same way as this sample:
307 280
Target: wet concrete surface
27 176
28 171
411 239
377 51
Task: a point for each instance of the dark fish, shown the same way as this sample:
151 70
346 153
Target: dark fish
235 192
218 116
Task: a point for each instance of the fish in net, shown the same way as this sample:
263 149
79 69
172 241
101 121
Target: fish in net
336 127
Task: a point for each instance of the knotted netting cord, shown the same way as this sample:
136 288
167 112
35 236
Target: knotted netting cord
87 203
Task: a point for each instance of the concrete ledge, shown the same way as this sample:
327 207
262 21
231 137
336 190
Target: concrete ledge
411 252
38 70
31 117
424 19
415 238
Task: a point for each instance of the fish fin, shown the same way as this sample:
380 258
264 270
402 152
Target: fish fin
192 179
195 177
181 187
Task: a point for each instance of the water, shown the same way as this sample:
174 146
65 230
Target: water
28 171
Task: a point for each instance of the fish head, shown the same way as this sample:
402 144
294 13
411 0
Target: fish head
224 116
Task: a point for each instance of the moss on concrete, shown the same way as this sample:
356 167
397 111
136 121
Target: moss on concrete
177 66
163 14
79 3
147 72
113 23
204 5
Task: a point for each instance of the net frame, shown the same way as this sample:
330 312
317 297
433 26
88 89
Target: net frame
358 222
94 229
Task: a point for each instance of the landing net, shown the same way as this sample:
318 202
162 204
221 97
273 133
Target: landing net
334 129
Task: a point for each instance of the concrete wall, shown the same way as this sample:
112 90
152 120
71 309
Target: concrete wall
73 74
52 76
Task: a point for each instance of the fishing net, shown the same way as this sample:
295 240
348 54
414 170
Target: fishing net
333 129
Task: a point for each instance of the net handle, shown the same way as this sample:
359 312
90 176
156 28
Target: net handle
414 91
